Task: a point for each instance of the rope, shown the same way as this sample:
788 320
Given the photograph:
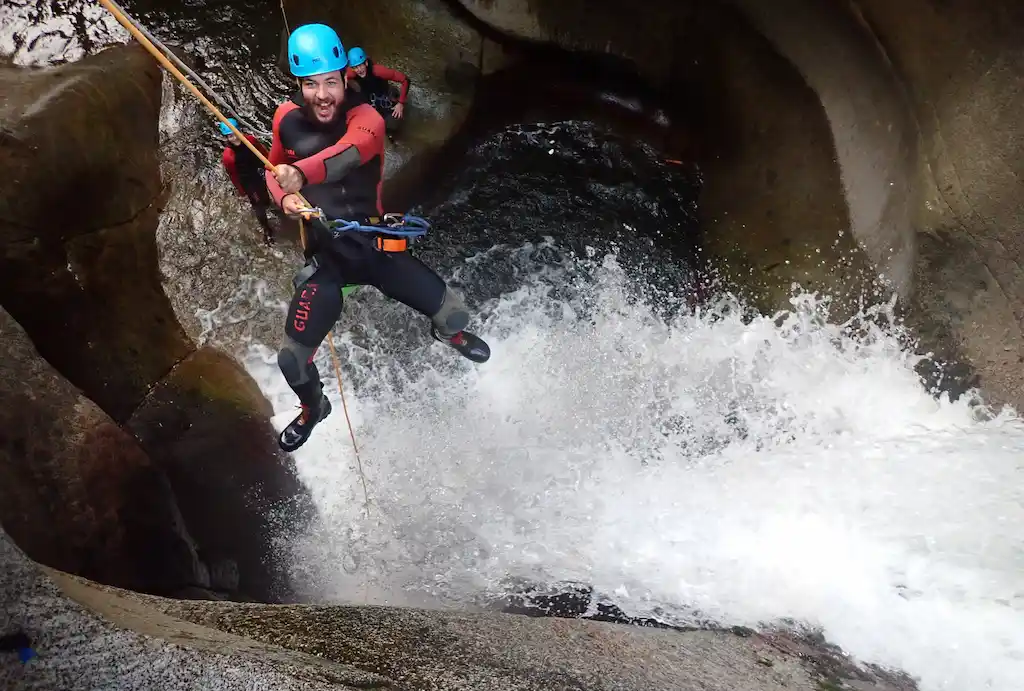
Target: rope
344 407
284 15
162 59
188 70
344 404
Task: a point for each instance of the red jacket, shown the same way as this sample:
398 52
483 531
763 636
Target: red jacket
244 164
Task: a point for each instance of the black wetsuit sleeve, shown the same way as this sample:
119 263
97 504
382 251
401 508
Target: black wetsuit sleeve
362 141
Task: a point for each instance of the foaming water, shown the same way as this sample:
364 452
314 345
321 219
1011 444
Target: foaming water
718 466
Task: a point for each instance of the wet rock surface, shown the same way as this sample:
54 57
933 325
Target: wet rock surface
79 645
80 275
79 263
961 66
206 425
88 635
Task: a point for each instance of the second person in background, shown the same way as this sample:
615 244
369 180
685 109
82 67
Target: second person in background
375 82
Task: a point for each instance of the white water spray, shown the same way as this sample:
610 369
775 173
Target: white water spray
713 467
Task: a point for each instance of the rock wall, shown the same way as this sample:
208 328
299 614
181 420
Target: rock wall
79 274
773 205
961 66
135 648
77 490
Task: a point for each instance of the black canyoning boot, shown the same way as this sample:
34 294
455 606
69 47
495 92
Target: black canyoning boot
468 345
297 433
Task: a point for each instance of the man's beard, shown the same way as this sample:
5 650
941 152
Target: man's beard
313 111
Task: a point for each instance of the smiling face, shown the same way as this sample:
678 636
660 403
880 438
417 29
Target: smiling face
323 93
360 70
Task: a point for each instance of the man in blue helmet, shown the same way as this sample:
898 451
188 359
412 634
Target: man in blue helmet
329 145
247 175
374 81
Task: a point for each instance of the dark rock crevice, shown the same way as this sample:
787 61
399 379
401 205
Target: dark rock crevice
31 236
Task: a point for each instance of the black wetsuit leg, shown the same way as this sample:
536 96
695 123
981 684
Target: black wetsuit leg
259 199
403 277
315 308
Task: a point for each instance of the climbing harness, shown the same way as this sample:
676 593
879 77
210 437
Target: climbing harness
404 227
190 72
134 29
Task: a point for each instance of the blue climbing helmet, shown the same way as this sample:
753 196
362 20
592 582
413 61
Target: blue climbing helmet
356 57
224 129
315 49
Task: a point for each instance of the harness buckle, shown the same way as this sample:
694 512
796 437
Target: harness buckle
391 244
310 213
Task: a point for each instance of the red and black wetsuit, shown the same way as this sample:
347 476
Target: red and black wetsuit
247 175
343 164
244 169
376 87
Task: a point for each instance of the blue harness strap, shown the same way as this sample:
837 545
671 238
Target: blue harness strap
417 227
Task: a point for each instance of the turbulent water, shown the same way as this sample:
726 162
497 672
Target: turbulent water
690 461
707 467
693 465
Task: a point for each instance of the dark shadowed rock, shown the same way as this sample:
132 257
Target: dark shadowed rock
78 492
237 498
79 264
79 271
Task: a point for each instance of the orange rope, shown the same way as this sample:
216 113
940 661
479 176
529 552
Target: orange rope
352 435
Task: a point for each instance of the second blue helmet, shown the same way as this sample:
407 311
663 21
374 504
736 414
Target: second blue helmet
356 57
